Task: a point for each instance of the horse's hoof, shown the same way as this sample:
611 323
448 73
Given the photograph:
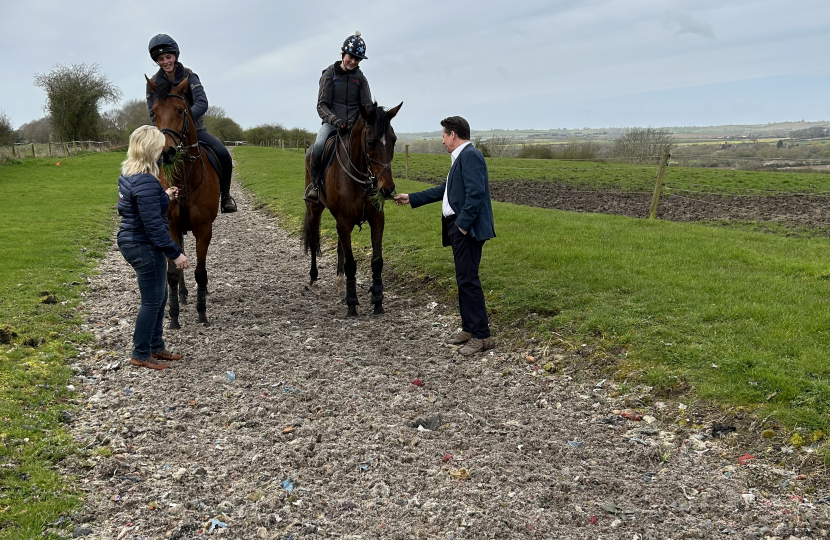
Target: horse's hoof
352 312
378 311
174 325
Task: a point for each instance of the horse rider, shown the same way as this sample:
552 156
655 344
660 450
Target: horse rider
165 52
343 88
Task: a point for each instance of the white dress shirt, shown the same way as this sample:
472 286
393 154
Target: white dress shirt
445 206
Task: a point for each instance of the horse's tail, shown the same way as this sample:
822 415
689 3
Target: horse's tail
311 235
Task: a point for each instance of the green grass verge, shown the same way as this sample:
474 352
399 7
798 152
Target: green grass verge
55 222
679 298
432 167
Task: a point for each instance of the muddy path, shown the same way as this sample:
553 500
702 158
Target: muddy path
371 428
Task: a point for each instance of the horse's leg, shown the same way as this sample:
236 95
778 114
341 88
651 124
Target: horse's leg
377 262
173 297
344 232
174 278
182 283
311 235
202 244
341 278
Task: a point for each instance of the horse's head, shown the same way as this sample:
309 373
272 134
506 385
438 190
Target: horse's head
172 115
380 144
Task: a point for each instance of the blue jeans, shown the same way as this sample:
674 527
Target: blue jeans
150 267
322 137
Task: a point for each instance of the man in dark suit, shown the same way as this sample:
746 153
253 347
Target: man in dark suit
467 224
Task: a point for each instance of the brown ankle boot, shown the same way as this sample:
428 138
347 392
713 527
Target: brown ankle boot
459 339
167 355
476 345
150 363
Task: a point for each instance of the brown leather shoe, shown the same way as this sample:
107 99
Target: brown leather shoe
459 339
150 363
167 355
476 345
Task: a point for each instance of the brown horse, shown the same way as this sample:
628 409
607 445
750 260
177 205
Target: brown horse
198 183
359 179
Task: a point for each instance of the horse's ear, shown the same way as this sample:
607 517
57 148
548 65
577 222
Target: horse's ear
390 114
364 112
181 88
151 84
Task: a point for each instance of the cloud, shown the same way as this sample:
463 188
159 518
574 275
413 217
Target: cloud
682 23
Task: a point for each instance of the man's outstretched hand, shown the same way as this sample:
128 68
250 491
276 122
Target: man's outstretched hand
402 199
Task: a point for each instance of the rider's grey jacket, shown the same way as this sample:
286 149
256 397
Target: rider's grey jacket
195 94
341 94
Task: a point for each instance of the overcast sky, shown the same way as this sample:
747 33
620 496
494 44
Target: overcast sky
521 64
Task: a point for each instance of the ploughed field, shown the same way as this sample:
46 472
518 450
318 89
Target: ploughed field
689 194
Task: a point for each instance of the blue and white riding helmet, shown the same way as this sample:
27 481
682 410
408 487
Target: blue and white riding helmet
355 46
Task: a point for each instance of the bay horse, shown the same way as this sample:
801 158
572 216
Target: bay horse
197 205
353 190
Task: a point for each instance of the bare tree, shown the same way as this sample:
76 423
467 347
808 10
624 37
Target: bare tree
641 145
500 146
118 123
74 94
37 131
6 129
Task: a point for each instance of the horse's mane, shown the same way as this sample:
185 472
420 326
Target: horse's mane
381 124
163 87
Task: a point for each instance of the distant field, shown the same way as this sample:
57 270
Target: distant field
433 168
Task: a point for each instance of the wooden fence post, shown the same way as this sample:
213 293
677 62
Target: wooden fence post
658 186
406 147
33 150
14 152
65 150
50 148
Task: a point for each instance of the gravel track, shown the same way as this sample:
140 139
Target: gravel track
330 405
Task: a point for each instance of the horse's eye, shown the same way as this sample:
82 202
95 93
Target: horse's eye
181 111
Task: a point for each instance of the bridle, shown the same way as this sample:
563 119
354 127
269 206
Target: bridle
179 140
369 181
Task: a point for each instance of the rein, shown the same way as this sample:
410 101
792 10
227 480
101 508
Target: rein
179 138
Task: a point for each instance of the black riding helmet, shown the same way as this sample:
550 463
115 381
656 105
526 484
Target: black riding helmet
355 46
161 44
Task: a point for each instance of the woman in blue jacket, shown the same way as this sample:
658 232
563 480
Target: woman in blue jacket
144 241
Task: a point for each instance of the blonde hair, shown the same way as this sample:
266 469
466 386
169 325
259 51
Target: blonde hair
143 154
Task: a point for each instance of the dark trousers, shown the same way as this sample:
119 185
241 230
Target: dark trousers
225 160
466 252
150 267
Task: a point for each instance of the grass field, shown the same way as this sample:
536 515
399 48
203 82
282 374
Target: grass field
54 224
679 298
431 167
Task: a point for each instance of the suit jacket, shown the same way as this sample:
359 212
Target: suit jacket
469 194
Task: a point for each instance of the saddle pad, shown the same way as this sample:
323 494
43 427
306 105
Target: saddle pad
328 152
212 158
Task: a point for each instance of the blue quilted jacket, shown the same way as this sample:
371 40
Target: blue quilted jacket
142 205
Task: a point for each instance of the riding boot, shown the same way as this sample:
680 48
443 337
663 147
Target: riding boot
312 193
228 205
